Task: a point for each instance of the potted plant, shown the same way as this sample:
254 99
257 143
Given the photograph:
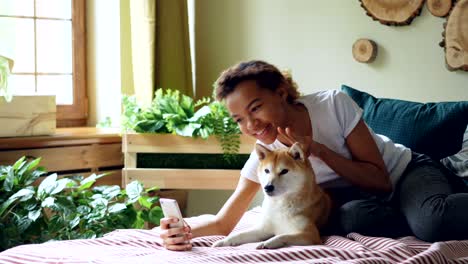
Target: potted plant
66 208
181 143
6 64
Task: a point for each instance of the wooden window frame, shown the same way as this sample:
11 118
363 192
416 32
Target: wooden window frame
76 114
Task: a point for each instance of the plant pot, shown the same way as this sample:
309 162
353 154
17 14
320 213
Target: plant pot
181 177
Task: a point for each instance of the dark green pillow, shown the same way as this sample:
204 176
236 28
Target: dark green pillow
435 129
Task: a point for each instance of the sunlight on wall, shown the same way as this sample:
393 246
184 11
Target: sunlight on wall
103 54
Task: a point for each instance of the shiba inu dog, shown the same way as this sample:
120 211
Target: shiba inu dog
294 206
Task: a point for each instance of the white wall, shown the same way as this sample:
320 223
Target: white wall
314 40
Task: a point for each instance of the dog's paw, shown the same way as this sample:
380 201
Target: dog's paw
271 244
223 243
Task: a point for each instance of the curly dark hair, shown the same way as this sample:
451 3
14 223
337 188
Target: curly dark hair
266 76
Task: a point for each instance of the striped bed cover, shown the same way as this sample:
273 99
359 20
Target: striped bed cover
144 246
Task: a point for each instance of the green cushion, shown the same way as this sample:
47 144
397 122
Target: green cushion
435 129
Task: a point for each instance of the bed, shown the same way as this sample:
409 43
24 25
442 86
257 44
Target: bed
144 246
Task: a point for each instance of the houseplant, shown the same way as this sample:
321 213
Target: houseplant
6 64
176 113
177 143
66 208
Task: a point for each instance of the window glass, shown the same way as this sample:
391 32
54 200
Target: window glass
54 46
22 84
17 42
60 85
54 8
17 8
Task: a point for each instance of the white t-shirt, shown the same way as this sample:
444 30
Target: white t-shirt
333 116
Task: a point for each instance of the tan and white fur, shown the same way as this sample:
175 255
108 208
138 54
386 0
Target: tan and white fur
294 206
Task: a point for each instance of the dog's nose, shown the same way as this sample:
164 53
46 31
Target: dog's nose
269 188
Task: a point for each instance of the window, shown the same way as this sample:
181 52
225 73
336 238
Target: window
46 39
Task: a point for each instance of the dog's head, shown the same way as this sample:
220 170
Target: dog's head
283 171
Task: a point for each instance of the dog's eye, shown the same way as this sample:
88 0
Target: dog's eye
284 171
267 171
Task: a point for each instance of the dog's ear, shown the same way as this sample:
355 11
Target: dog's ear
262 151
297 152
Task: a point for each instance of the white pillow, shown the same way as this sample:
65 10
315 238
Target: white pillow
458 163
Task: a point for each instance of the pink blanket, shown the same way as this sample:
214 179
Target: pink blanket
144 246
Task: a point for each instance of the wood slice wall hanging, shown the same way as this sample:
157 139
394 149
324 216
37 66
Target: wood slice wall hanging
364 50
439 8
393 12
455 35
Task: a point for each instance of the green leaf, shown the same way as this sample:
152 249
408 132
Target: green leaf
187 131
65 204
150 125
5 205
134 190
19 163
144 215
74 222
115 208
87 182
60 185
155 215
23 194
33 215
139 221
152 189
9 180
88 234
56 223
99 203
33 164
83 209
186 103
34 175
153 200
145 202
48 202
202 112
110 192
23 223
47 185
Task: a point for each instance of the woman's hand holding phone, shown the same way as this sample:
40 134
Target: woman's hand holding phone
175 232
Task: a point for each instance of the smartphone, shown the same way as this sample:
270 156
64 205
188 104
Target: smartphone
170 208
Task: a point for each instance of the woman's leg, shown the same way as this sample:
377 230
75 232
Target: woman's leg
366 214
433 201
373 217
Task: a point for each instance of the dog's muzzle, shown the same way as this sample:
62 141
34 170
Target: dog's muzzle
269 189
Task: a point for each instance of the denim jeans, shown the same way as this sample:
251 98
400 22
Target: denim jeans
428 202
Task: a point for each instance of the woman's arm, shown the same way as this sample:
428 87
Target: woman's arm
222 224
366 169
231 212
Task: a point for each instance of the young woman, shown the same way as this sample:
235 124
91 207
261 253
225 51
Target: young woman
379 188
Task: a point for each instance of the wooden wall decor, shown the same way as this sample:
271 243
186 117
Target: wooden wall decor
455 42
364 50
439 8
393 12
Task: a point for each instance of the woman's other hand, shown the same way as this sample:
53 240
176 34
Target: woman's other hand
178 238
310 146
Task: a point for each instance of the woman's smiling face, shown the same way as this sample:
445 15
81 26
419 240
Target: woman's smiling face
257 111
